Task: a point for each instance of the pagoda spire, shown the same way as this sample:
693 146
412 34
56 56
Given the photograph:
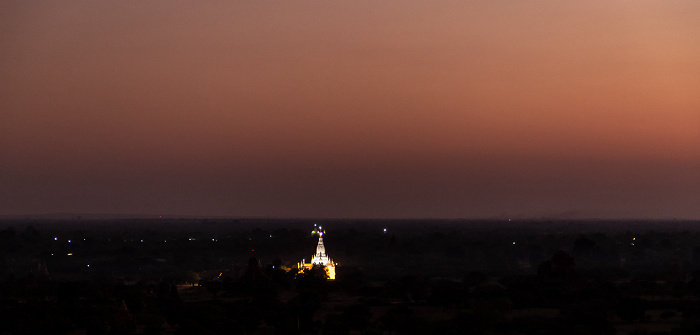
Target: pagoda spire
320 248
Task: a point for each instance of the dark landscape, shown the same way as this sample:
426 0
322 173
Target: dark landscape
484 167
239 276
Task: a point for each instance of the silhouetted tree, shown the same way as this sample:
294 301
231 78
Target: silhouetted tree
561 266
630 309
304 306
315 279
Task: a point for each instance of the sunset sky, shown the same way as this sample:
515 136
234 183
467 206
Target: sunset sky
346 109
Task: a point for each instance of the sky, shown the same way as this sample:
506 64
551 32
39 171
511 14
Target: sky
351 109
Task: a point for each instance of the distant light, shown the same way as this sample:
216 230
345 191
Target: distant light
314 225
55 238
252 249
69 254
83 239
385 230
88 265
634 239
51 254
513 242
141 241
68 241
212 240
270 236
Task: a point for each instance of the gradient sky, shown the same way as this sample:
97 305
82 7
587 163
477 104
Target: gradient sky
444 109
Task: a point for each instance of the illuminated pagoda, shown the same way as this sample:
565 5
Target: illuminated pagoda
320 258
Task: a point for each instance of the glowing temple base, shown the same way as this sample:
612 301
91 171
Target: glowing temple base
329 268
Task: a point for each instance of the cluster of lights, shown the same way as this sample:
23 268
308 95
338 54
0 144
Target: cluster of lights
318 230
71 241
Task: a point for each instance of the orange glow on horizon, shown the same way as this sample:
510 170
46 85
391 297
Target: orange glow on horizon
351 109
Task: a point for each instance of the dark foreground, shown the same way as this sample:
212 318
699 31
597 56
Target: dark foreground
226 276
